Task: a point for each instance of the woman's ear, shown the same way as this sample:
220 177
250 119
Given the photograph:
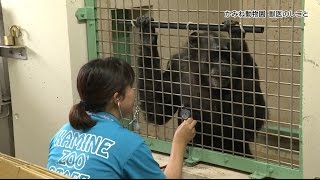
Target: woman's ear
116 98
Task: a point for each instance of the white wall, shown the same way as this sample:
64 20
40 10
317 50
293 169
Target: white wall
42 87
311 89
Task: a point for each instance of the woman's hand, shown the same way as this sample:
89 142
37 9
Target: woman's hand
185 132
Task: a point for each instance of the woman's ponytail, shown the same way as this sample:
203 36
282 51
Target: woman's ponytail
78 117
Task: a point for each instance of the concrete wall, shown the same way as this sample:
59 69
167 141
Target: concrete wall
311 72
42 87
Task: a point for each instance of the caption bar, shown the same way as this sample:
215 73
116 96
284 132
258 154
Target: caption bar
265 14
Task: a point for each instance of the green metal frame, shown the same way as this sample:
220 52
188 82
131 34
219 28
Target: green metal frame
193 155
88 13
257 168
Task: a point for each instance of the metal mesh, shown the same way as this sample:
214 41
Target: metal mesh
276 53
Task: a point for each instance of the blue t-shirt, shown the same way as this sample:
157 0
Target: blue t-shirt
106 150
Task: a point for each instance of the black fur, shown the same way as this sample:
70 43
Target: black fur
184 83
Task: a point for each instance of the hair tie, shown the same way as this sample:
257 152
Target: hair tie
83 104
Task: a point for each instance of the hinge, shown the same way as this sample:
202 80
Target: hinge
15 52
191 161
85 13
193 156
2 104
257 175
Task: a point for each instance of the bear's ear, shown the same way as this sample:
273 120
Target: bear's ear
193 40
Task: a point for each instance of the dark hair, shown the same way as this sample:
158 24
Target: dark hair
97 82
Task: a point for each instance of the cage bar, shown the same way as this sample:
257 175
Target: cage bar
195 26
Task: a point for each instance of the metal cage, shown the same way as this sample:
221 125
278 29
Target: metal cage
274 43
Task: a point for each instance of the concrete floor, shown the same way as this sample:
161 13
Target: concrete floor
203 171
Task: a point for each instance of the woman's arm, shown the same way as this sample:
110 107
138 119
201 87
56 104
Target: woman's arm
184 133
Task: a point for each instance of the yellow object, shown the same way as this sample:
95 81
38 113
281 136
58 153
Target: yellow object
13 168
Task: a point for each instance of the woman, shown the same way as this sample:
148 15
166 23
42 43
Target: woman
95 145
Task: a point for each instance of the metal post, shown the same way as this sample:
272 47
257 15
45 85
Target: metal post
196 26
